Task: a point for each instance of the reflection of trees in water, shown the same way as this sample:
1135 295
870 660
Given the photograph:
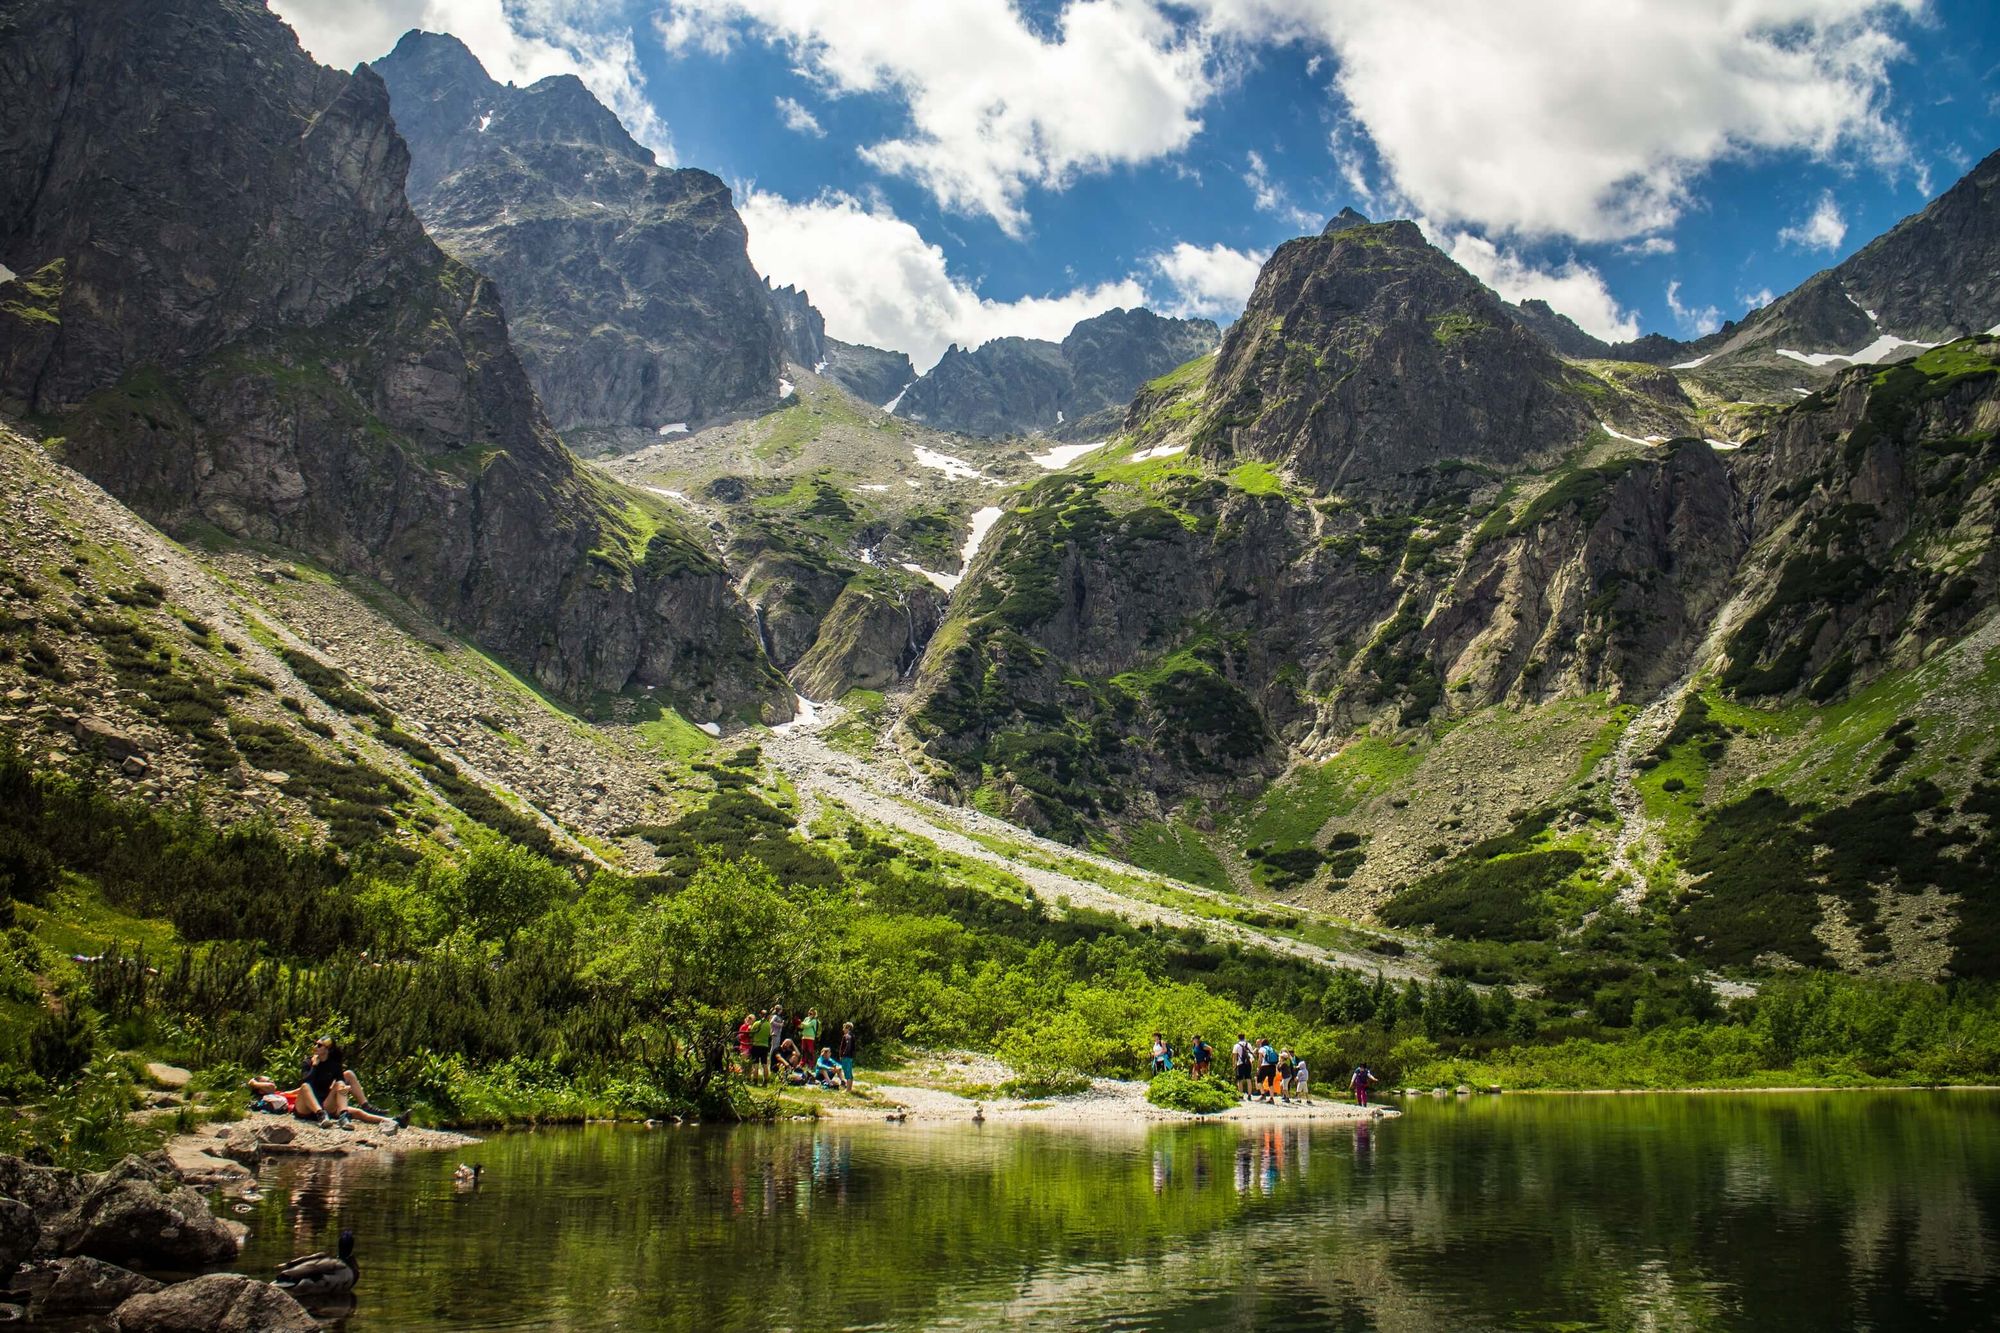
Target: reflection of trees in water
1669 1212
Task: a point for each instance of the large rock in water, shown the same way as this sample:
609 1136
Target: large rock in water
135 1213
238 323
65 1288
217 1303
628 284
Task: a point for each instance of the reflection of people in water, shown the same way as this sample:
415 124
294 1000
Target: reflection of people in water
315 1198
1364 1142
1243 1151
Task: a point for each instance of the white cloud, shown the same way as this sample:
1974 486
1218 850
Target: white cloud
1572 288
1823 230
1698 320
1270 196
995 107
796 117
879 282
1211 281
1652 245
1756 300
1590 118
518 42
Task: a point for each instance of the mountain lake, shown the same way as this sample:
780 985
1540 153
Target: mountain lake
1818 1211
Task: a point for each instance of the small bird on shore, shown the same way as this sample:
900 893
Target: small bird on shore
978 1114
321 1274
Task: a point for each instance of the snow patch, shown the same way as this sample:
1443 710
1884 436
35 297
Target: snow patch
807 715
1689 365
1160 451
709 729
891 406
982 523
1059 416
1801 392
819 367
785 388
1812 358
1874 354
912 483
956 468
6 275
484 121
1629 439
671 495
674 428
1062 455
1993 332
1858 306
975 537
870 487
1723 444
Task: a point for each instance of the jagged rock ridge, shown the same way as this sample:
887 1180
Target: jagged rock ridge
1011 386
237 323
628 285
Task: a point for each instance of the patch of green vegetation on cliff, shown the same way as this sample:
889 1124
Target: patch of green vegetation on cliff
1293 809
1257 479
1584 490
1507 887
1770 651
1455 327
1200 714
37 298
1176 849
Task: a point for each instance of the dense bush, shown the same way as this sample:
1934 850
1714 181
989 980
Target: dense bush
1179 1091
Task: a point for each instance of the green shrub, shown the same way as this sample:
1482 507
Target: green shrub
60 1045
1179 1091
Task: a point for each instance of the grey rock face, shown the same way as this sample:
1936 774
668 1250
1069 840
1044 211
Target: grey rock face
868 641
1367 352
628 285
801 328
869 373
217 1303
1014 385
251 331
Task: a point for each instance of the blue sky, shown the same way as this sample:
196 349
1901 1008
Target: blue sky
951 170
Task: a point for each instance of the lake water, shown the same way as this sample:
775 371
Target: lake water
1813 1212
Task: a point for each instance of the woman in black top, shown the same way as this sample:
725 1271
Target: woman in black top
325 1090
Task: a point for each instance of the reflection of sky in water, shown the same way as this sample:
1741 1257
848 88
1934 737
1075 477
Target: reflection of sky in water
1664 1212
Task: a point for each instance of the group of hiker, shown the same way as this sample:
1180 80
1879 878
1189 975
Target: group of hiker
1263 1072
773 1048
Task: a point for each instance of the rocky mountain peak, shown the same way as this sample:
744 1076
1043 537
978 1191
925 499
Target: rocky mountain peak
241 326
1367 352
802 326
1344 219
629 285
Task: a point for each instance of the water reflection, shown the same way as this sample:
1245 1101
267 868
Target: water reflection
1829 1212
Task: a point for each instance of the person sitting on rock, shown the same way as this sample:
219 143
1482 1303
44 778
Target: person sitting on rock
329 1090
